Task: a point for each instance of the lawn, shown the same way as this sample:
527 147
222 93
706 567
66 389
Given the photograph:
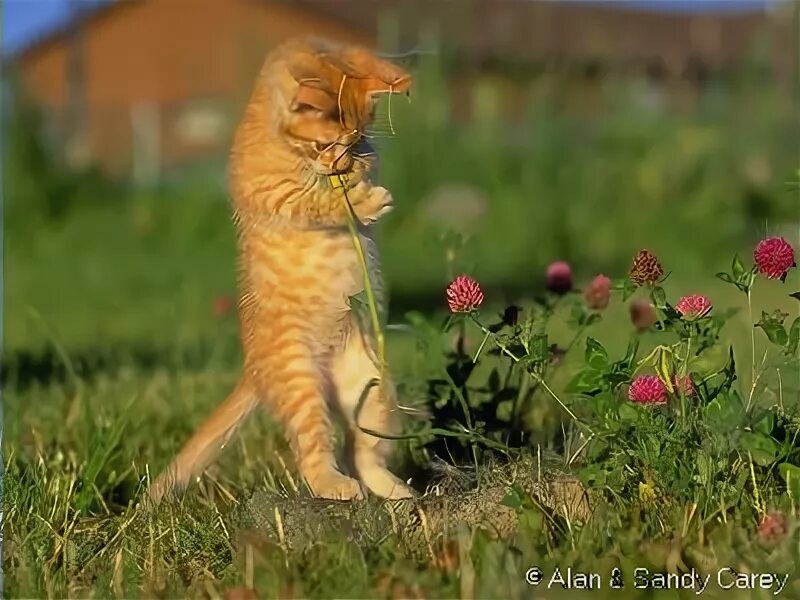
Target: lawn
119 339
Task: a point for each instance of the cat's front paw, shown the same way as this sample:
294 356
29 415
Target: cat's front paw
378 203
381 482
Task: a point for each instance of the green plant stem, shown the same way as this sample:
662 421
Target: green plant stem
522 391
480 348
469 435
684 373
752 350
555 397
362 260
578 334
500 344
658 309
536 377
462 401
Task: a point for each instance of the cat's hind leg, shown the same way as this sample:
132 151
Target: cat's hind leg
297 392
353 370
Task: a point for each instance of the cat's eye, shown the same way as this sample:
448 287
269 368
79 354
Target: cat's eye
303 108
308 100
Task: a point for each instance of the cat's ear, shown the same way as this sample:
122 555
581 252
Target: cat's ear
310 71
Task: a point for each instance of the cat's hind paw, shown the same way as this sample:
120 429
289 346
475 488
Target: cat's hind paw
334 485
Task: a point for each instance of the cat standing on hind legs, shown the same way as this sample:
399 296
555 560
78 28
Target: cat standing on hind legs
304 351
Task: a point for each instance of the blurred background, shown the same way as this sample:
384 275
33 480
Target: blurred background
537 131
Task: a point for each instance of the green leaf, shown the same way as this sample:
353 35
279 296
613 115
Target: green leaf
794 337
791 475
765 424
747 280
628 413
532 525
593 474
664 370
505 411
776 315
704 468
578 312
630 353
775 332
597 446
725 412
710 362
725 277
737 268
514 497
596 355
761 447
587 380
795 295
539 350
592 319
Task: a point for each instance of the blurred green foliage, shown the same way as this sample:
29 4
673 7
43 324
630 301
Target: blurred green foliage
590 189
38 190
498 199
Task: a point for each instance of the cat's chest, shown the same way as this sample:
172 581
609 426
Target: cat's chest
349 263
326 264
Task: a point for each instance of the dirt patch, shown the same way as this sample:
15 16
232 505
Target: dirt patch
456 499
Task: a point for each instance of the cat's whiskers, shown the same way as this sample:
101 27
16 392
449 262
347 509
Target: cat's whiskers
379 125
379 128
378 135
391 93
381 122
364 154
339 100
398 55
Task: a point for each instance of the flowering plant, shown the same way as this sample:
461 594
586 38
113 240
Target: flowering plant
651 422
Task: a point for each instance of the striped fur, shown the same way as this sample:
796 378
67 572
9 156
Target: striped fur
304 351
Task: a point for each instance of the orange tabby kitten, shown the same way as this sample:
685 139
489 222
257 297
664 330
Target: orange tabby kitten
304 350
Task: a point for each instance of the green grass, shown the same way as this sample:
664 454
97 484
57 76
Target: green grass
113 354
79 447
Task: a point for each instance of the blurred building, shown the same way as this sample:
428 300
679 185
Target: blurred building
141 87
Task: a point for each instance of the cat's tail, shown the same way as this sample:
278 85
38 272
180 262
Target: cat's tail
205 443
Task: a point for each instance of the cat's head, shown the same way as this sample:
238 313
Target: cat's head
329 100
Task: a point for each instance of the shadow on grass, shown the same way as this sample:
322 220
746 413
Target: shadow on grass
23 369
